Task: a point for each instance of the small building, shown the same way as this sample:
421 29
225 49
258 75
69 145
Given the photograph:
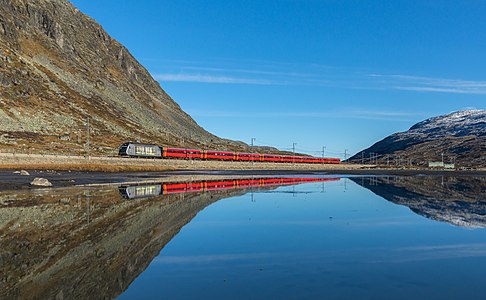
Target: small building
439 164
436 164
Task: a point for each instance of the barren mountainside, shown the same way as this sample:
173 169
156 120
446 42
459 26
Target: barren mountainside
457 137
58 67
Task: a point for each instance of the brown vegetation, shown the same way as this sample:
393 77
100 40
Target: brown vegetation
88 167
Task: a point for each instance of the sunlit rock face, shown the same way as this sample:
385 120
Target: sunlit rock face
58 67
459 201
458 137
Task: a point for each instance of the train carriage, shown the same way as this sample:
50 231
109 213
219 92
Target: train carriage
272 158
220 155
248 156
182 153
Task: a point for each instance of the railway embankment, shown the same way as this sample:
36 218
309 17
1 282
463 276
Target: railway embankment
15 161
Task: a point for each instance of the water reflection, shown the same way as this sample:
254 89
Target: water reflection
73 242
304 241
459 201
152 190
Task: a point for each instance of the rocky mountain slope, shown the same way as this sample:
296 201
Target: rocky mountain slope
459 136
58 68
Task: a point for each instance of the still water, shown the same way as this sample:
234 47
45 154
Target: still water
418 237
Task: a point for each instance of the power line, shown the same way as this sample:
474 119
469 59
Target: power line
323 152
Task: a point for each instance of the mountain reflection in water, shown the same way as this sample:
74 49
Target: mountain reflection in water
73 242
459 201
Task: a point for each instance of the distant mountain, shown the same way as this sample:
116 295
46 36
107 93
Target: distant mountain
459 137
58 67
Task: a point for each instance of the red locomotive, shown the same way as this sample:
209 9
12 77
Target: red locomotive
154 151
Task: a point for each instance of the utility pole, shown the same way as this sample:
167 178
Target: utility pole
293 150
87 137
252 159
323 153
345 154
362 158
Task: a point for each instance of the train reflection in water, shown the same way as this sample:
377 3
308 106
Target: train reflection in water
151 190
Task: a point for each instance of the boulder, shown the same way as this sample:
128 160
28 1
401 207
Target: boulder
39 181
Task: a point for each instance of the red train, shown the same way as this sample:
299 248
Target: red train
153 151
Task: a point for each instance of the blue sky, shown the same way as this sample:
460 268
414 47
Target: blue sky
339 74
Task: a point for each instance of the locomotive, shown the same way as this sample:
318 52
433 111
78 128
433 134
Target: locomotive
153 151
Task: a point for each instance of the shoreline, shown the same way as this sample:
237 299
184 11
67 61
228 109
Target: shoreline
11 161
67 171
67 179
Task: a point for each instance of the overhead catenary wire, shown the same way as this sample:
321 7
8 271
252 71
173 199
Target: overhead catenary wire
303 150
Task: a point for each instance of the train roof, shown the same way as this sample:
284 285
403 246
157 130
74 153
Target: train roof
134 143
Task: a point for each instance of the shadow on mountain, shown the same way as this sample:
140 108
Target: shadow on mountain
460 201
73 242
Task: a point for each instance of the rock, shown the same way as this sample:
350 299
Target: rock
24 173
39 181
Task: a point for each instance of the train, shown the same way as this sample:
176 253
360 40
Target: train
156 189
130 149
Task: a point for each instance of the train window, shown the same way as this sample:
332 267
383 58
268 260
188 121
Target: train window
149 150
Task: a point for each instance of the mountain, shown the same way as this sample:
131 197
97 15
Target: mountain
58 68
457 137
460 201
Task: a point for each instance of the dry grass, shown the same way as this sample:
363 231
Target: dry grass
115 164
85 167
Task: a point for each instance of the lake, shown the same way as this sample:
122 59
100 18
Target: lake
333 237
